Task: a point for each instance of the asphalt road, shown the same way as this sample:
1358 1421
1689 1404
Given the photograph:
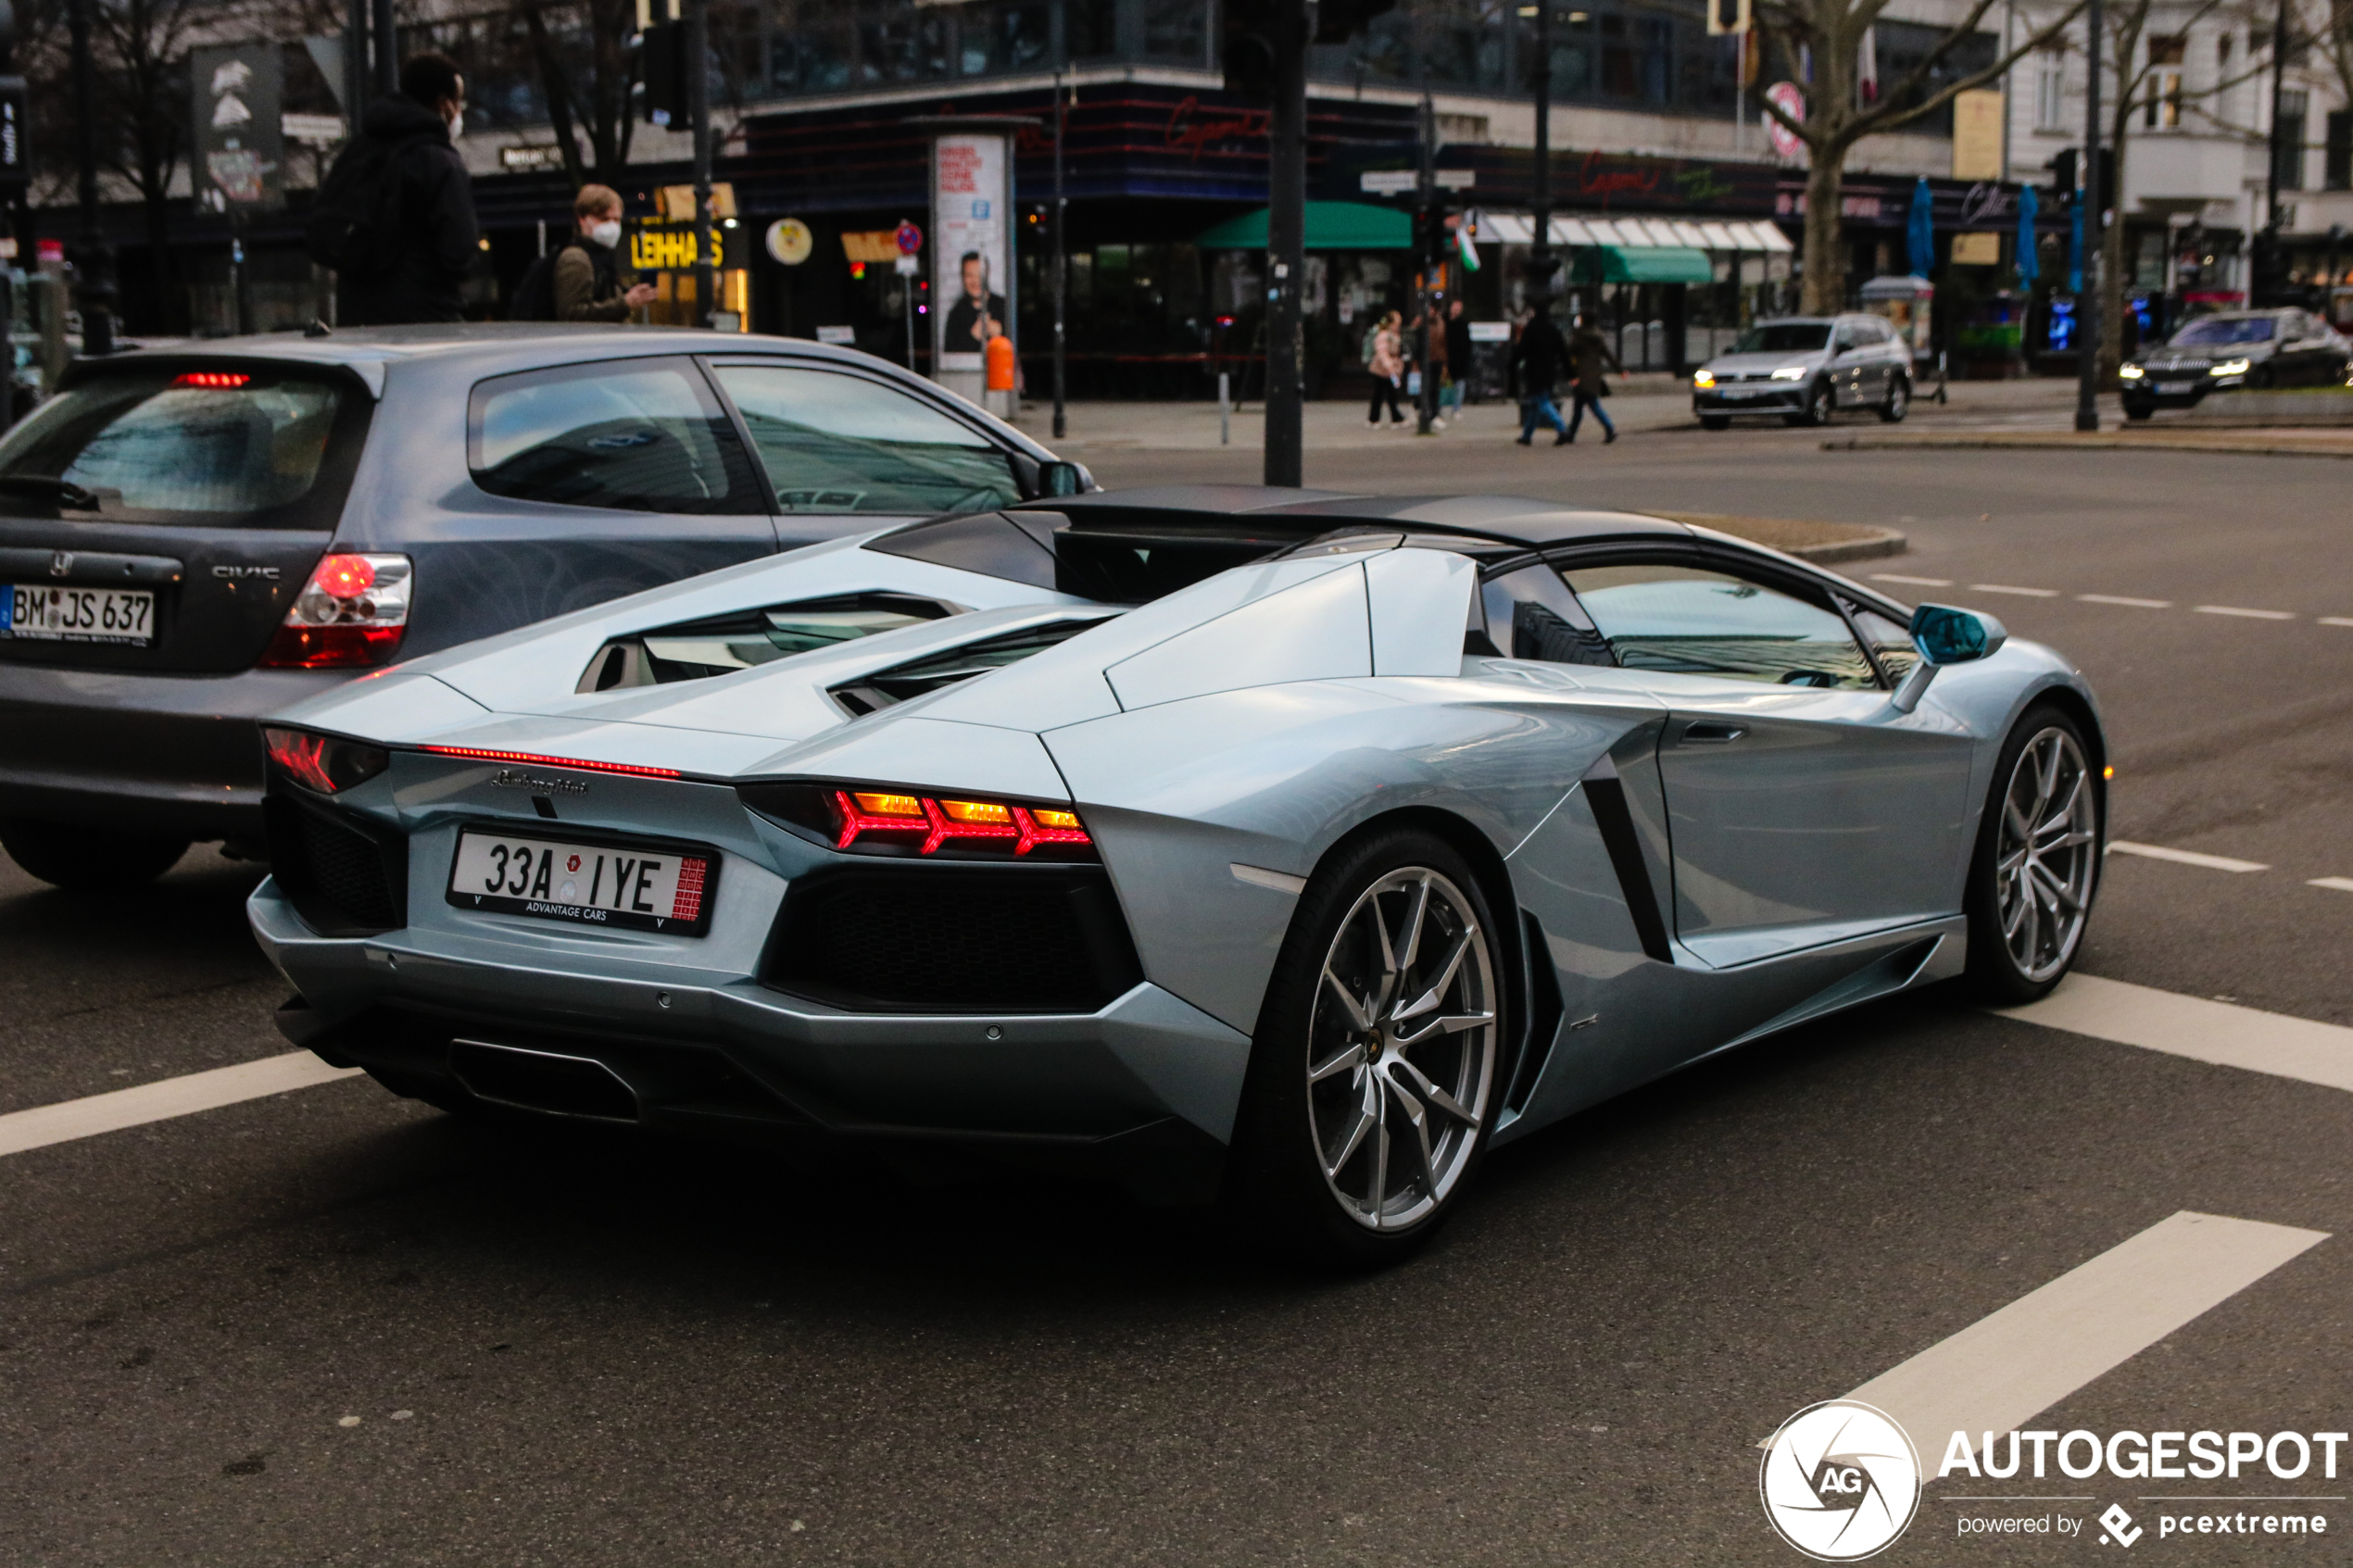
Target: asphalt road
571 1349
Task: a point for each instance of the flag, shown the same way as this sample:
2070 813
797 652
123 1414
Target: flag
1867 67
1466 241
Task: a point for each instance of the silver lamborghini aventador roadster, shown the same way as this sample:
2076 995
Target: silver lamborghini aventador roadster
1281 846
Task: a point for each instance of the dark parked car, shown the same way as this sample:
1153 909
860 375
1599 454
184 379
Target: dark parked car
2235 349
190 540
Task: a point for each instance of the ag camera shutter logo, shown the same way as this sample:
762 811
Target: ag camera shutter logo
1840 1481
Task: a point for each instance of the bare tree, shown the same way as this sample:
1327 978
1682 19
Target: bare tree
1830 33
597 105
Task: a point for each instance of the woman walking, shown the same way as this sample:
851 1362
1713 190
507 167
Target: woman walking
1389 371
1591 351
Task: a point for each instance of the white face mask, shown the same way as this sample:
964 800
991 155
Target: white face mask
607 234
457 124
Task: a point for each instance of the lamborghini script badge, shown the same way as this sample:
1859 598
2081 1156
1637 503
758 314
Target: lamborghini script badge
507 778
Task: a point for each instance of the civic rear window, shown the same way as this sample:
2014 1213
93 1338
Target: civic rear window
241 447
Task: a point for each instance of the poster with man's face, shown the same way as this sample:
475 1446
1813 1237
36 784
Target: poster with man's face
970 198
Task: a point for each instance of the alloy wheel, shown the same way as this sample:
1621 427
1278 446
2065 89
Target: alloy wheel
1402 1047
2046 854
1899 401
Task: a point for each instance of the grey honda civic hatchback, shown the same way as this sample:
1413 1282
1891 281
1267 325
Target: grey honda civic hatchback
192 539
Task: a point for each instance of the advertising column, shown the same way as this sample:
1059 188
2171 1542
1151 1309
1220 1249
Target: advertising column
972 261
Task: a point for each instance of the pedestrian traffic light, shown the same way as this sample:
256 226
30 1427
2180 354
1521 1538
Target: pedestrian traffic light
661 50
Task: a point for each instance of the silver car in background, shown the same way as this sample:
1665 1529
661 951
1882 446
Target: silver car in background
1806 368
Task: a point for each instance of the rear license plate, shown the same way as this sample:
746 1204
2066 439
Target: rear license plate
58 612
2175 388
633 886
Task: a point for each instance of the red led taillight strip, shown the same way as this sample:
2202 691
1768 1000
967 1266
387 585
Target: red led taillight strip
533 757
945 822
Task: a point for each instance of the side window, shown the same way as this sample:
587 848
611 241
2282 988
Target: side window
1532 615
1844 338
1686 620
642 435
1890 641
834 442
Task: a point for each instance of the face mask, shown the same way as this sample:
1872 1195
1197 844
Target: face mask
457 124
607 234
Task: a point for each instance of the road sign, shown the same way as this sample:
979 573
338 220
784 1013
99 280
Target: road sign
1788 97
910 238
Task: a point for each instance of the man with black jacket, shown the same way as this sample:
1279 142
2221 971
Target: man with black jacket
429 205
1538 359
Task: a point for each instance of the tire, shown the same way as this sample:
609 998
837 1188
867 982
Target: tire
1343 1094
2021 946
2139 410
1820 402
1899 401
1714 421
88 859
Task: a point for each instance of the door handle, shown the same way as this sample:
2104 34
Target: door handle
1708 732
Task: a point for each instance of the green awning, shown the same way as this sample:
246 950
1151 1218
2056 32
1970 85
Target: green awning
1330 226
1643 264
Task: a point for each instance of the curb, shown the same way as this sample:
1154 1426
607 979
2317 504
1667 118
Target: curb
2106 442
1860 542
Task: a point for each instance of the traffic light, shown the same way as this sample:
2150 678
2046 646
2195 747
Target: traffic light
1337 22
661 50
1251 46
2066 169
2063 176
1433 231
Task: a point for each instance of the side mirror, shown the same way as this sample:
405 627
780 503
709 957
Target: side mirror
1060 479
1945 635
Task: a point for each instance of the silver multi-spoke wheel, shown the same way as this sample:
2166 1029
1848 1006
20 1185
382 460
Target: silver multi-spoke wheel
1400 1060
2046 854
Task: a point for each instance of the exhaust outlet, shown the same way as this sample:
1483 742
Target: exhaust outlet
547 1081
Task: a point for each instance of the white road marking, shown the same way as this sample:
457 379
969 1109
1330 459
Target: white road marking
2342 883
1916 582
2219 1033
63 1123
2003 1370
2183 856
2249 614
2003 588
2336 619
2121 600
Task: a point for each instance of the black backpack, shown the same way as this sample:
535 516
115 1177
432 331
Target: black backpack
354 222
534 296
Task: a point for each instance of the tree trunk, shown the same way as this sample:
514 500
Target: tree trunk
1825 252
2111 346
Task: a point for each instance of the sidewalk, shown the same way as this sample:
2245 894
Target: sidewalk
2040 411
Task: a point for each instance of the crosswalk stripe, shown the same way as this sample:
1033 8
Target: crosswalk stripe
2005 1369
160 1101
2220 1033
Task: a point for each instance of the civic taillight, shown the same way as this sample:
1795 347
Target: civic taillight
349 615
326 763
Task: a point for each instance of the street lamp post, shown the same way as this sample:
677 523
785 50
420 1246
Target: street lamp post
699 115
1426 403
1539 183
1062 210
93 266
2087 322
1286 244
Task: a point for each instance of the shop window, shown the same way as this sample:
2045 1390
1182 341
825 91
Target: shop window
641 435
1178 32
1904 47
841 444
2338 173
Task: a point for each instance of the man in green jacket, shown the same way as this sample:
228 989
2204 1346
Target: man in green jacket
588 284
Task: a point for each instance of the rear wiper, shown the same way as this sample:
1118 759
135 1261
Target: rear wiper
47 489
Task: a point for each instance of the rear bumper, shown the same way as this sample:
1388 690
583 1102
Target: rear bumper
1143 1091
172 755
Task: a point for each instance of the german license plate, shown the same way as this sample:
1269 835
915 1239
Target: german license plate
632 886
58 612
2175 388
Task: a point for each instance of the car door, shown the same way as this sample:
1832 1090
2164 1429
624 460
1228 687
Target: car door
588 481
844 452
1850 364
1802 807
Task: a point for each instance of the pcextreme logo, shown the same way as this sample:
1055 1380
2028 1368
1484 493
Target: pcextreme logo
1840 1481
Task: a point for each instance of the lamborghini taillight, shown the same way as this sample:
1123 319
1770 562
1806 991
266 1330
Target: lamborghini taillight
932 824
